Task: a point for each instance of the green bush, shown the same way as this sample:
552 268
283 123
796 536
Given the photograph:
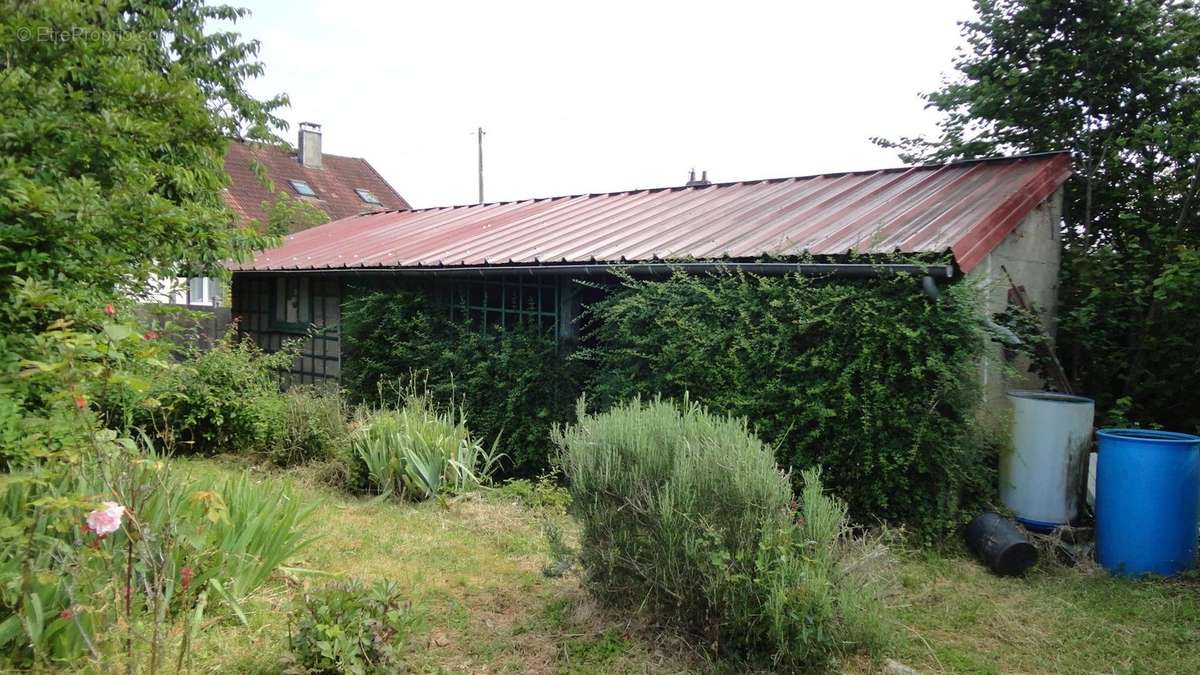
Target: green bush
868 379
223 399
315 427
543 494
417 452
352 628
685 514
515 383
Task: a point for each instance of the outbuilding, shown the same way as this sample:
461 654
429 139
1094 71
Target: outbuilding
506 261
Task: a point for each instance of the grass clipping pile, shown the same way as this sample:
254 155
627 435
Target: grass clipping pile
685 515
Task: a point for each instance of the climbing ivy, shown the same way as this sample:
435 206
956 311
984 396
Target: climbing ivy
869 379
514 384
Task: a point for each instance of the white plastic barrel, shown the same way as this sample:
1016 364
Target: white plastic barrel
1041 474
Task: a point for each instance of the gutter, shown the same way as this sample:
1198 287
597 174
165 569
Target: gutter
839 270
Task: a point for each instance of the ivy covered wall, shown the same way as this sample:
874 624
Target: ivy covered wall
869 379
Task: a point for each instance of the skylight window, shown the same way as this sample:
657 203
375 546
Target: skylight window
367 196
303 188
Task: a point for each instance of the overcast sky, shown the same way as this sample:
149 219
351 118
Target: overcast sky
602 96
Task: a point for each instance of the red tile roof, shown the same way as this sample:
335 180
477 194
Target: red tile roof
334 182
965 208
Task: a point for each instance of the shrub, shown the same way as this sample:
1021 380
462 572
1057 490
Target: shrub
352 628
223 399
684 513
870 380
543 494
515 382
315 427
418 452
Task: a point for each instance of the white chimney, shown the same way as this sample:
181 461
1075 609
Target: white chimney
310 145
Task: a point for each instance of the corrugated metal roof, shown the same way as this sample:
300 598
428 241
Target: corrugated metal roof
966 208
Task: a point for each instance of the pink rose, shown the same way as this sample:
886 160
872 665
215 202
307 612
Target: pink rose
107 520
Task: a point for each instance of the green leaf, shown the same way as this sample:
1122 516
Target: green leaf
229 600
117 332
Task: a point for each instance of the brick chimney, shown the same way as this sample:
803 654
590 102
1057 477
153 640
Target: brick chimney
309 146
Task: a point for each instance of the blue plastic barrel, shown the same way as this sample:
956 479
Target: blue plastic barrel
1147 501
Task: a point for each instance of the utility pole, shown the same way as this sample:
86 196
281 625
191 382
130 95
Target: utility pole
479 133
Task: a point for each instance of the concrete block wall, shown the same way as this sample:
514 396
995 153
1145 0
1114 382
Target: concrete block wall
1032 254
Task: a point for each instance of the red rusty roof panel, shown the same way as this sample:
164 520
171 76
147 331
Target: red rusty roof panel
965 208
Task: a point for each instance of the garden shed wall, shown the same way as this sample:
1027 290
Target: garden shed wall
1031 254
274 309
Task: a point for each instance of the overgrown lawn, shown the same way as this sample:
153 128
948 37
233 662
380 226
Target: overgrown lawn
474 567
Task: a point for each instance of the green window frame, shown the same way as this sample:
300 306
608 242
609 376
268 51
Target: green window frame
506 302
291 304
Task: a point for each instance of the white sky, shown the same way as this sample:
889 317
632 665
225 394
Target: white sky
601 96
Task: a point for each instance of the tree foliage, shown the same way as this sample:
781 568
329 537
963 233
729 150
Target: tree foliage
1113 82
116 118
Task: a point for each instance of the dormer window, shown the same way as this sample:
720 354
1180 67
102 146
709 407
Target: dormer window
367 196
303 188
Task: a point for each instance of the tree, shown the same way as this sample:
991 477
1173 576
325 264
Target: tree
116 117
114 121
1113 82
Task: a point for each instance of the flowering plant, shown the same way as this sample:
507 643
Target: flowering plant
106 520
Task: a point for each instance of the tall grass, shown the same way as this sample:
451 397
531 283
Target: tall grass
314 428
417 451
185 547
684 514
263 526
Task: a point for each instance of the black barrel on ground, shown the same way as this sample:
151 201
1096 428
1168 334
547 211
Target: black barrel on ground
1000 545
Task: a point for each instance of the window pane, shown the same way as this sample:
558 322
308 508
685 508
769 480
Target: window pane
196 289
281 298
292 307
331 310
303 188
529 298
508 303
303 302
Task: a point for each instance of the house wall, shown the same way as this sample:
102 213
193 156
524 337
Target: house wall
1031 254
197 325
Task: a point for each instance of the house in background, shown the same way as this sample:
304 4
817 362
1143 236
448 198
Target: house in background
338 185
511 261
